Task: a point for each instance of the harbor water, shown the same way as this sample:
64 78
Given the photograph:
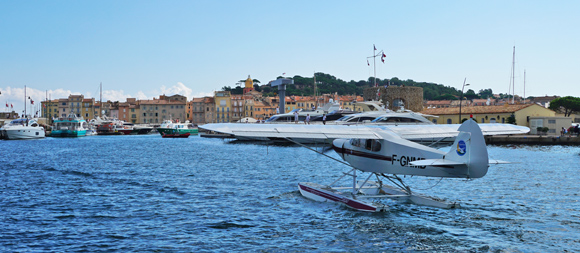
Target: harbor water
145 193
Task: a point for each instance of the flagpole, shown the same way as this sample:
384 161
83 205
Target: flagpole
375 64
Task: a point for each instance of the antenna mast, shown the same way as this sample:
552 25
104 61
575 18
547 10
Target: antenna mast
101 100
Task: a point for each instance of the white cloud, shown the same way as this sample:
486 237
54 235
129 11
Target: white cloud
179 88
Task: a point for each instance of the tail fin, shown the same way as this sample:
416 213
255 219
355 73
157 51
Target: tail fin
469 148
468 153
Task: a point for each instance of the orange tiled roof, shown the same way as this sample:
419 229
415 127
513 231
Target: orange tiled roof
475 109
438 102
160 102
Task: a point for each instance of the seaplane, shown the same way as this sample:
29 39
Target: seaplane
386 153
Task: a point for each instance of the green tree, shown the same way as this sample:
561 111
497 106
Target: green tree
470 94
568 105
511 119
485 93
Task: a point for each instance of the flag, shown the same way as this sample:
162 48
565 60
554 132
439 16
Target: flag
374 47
368 62
6 104
11 106
383 59
384 55
31 101
284 73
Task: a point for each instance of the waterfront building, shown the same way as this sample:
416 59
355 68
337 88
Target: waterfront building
50 109
290 103
305 103
347 102
489 114
223 106
128 111
62 107
554 124
237 107
196 111
156 111
209 109
437 104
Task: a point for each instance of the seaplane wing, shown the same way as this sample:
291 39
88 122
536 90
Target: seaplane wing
330 132
322 132
412 132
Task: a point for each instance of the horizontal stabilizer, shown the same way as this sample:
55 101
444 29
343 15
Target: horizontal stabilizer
498 162
435 162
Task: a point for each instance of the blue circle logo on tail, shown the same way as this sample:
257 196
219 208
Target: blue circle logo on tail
461 148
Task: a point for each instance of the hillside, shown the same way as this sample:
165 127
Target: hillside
327 83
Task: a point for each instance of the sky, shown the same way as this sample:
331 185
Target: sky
143 49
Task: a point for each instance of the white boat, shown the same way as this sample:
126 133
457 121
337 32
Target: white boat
23 129
384 118
290 117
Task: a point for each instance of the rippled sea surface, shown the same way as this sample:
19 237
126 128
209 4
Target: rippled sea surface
146 193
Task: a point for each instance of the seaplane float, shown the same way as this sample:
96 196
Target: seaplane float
386 153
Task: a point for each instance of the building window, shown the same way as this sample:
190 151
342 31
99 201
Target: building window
482 120
435 121
551 121
448 121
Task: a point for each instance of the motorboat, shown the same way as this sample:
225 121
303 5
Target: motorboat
71 126
23 129
302 114
170 127
384 118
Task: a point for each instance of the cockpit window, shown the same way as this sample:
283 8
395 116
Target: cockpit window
372 145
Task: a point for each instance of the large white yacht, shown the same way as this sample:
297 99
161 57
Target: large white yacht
289 117
23 129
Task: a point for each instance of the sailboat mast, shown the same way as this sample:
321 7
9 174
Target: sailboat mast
101 100
524 86
315 97
513 75
24 100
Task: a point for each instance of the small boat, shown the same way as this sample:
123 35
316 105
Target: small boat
22 129
71 126
175 135
170 127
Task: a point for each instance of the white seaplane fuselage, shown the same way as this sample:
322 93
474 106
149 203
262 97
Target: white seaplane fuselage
392 154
